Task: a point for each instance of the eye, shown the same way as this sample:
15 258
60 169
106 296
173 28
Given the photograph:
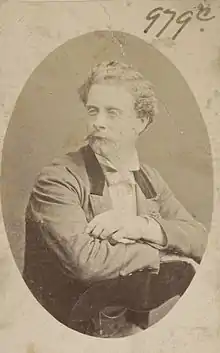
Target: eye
113 112
92 111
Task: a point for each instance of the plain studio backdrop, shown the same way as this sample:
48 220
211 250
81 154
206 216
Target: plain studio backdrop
49 120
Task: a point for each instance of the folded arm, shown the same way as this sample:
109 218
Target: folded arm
56 209
184 234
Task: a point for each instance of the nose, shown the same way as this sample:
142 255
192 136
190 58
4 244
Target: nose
100 121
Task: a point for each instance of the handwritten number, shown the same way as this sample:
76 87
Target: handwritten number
204 11
153 15
167 12
183 19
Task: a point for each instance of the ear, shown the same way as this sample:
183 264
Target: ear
144 123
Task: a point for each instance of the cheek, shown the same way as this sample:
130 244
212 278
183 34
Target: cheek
118 128
135 126
129 128
89 123
125 130
88 127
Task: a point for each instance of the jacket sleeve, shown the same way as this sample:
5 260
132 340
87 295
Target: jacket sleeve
56 209
185 236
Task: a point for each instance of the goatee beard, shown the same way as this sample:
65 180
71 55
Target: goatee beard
102 146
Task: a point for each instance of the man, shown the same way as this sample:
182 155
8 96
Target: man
99 224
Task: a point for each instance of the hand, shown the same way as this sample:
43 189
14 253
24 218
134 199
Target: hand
135 229
146 229
105 224
108 223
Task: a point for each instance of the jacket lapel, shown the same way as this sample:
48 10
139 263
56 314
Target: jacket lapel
146 196
146 207
100 201
144 183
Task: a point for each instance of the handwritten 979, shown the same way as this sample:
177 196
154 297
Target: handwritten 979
202 14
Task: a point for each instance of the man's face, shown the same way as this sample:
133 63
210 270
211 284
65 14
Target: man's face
113 121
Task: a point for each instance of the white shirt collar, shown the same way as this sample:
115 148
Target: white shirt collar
133 164
113 176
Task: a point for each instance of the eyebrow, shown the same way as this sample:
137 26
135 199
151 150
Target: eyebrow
114 108
91 106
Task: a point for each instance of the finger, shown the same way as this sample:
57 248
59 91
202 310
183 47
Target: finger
108 230
126 241
91 225
97 231
120 234
105 234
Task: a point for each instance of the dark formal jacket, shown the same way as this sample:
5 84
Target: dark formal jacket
62 261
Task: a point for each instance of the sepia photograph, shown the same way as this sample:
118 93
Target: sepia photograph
108 209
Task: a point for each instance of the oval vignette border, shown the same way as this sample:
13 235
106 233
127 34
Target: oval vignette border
198 326
177 144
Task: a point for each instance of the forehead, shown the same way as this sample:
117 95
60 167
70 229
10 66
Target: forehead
113 95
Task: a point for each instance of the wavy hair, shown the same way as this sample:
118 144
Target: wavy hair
112 72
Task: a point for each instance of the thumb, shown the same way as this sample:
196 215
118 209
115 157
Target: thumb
120 234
